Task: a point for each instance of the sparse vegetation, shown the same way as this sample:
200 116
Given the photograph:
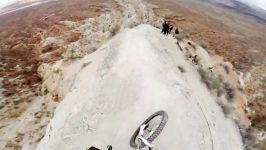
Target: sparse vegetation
216 82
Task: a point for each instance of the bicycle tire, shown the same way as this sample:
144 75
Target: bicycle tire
156 132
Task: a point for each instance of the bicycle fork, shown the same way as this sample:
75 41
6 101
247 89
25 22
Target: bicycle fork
142 139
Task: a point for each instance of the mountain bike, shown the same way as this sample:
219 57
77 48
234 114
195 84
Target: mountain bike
149 130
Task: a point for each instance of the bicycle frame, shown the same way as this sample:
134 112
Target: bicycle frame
142 139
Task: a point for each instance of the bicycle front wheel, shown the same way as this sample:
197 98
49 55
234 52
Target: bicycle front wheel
155 124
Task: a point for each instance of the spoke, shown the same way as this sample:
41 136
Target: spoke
152 126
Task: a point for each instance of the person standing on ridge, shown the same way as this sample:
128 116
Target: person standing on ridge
163 25
170 30
165 28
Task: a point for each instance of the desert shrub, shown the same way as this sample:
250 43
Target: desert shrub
242 129
203 44
196 60
220 91
209 78
133 24
192 45
180 36
181 69
16 112
226 68
256 145
93 48
114 30
182 33
180 48
12 145
229 91
157 25
226 108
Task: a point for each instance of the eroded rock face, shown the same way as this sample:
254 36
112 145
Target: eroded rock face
26 42
255 89
50 44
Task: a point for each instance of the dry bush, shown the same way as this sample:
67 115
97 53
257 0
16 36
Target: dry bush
212 80
114 30
182 33
93 48
14 113
203 44
260 145
242 129
226 108
181 69
133 24
229 91
226 68
12 145
216 82
192 45
180 36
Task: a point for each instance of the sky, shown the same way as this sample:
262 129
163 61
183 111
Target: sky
257 3
6 2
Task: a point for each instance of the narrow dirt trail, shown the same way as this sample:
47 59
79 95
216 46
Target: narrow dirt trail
129 78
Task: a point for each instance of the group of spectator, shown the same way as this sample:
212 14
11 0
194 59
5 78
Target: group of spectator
167 28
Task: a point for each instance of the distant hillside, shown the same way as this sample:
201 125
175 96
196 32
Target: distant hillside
239 7
21 4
